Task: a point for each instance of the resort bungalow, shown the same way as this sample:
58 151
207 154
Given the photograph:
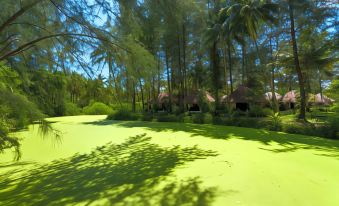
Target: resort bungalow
290 99
195 99
164 101
224 99
268 98
240 98
320 100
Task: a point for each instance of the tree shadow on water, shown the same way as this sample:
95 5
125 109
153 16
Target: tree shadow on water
287 142
135 172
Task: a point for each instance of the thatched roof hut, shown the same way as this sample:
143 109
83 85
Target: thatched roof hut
268 96
240 95
290 97
194 97
320 99
224 99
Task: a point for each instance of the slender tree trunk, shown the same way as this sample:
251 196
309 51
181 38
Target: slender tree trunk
216 74
168 81
153 90
159 77
302 114
142 95
225 68
230 64
320 85
133 97
181 89
274 99
184 62
243 63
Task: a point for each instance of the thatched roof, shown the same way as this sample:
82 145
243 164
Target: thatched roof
290 97
163 98
193 97
223 99
319 99
209 97
268 96
240 95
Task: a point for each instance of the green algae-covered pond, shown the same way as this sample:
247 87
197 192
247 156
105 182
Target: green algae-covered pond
99 162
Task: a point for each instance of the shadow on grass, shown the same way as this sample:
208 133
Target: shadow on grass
135 172
288 142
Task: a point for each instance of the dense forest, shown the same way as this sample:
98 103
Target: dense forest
71 57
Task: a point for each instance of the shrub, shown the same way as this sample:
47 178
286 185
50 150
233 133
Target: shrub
164 117
198 118
97 108
299 128
257 111
123 114
205 107
72 109
146 116
275 122
19 110
331 129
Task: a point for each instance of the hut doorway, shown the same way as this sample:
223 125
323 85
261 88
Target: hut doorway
242 106
194 108
292 105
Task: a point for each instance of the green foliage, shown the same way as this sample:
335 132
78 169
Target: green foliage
275 122
48 91
97 108
123 114
331 129
164 117
72 109
258 111
20 111
147 116
198 118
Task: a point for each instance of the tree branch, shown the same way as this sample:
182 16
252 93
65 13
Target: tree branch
18 14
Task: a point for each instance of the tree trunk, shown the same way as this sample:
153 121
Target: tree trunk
225 69
184 62
168 81
159 77
216 74
243 63
142 95
302 114
230 64
133 97
275 105
320 85
181 95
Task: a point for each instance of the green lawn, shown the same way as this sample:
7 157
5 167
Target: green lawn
99 162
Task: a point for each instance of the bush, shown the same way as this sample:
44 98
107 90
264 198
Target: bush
123 114
198 118
169 117
72 109
299 128
18 109
331 129
97 108
257 111
275 122
146 116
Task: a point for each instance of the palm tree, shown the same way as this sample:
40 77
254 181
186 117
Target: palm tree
242 19
301 81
